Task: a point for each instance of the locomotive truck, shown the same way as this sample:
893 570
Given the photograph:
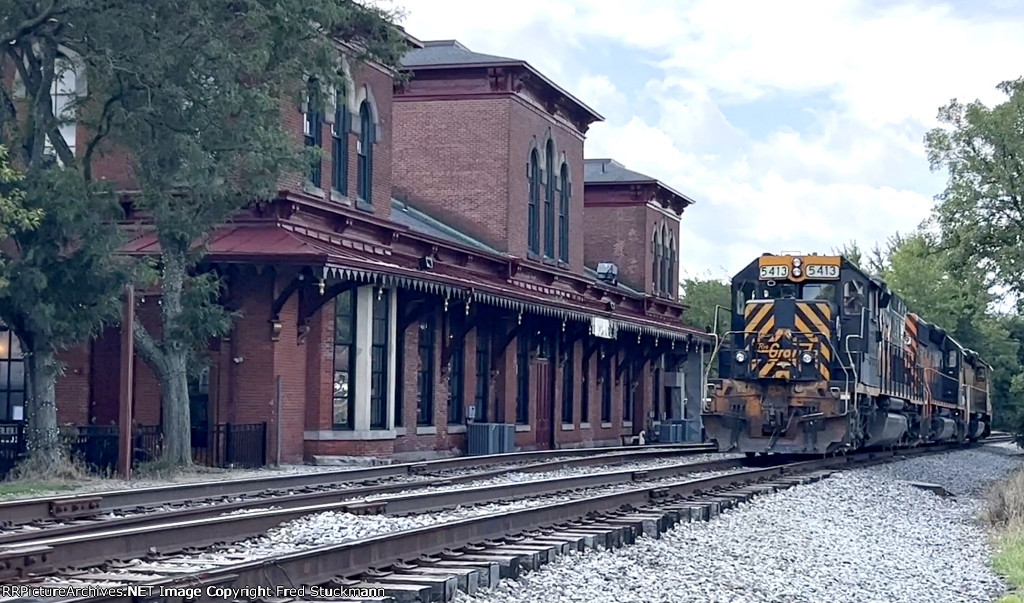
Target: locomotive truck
821 358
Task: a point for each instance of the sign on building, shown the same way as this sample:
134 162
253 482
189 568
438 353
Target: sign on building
602 327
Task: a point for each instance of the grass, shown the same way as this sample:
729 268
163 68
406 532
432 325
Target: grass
1005 514
33 487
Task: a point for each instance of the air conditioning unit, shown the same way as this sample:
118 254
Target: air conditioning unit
608 272
490 438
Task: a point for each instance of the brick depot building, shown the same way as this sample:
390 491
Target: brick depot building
438 268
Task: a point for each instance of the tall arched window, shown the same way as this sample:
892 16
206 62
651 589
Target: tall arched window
655 259
549 199
533 215
670 276
312 127
565 190
341 130
365 150
663 283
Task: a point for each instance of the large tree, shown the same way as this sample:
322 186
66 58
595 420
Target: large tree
62 279
981 210
196 93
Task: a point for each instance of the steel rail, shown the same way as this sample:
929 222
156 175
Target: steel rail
28 510
322 564
291 500
93 548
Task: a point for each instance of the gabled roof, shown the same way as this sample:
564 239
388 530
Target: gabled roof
610 172
449 54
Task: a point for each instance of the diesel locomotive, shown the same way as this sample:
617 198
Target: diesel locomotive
822 358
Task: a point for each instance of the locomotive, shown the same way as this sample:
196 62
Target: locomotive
822 358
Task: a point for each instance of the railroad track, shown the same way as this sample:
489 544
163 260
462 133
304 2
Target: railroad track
69 508
208 525
490 547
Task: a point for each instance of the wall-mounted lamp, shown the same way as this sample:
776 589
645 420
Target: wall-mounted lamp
275 329
238 359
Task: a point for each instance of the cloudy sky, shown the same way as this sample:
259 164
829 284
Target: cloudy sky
795 124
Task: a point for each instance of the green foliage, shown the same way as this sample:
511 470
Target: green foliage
981 211
980 215
702 296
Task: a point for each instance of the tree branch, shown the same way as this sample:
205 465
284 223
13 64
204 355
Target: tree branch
26 26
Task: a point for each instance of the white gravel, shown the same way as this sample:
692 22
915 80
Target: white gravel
336 527
860 537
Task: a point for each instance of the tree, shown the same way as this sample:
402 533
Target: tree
981 210
63 280
703 296
195 93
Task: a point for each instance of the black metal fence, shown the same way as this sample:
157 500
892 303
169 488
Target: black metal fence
223 445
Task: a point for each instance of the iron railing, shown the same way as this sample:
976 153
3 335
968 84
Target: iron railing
96 446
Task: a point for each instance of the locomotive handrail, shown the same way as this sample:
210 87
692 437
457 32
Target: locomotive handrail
821 337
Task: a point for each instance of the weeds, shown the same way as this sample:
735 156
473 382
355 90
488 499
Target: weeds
1005 513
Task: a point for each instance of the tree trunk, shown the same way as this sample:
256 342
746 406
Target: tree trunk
169 362
177 422
42 435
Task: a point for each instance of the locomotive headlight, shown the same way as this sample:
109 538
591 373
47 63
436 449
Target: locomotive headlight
741 356
796 271
797 262
806 357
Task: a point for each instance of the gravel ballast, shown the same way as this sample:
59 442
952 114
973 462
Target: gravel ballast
860 537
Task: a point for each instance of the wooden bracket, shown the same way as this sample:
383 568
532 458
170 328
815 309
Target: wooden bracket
311 301
286 294
498 347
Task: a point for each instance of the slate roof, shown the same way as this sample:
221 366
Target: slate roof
418 221
450 52
609 171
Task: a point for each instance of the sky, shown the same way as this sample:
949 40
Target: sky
795 125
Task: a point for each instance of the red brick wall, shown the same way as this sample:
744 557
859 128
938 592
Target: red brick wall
619 234
73 391
530 126
382 92
451 160
620 230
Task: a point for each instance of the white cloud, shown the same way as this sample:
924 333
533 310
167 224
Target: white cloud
858 170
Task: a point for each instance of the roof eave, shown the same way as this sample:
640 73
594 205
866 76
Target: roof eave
594 115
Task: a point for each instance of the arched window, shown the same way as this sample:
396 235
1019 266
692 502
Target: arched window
549 199
341 129
364 148
565 190
663 283
533 216
670 278
656 260
312 127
